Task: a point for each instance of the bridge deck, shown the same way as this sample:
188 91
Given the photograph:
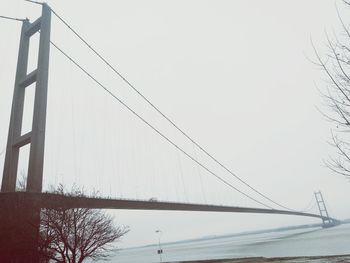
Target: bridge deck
49 200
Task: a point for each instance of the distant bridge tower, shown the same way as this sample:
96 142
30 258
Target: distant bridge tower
327 221
36 137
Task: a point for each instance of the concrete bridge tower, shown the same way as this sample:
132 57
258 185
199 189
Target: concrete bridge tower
20 219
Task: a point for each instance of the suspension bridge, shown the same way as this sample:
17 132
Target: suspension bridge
34 196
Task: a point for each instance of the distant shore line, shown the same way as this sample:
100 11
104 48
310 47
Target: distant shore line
331 258
262 231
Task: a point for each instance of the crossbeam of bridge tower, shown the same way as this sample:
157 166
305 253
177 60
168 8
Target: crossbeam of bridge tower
36 137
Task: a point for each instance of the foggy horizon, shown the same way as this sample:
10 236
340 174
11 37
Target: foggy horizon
235 76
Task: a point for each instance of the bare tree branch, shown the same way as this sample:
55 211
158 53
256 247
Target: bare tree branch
337 96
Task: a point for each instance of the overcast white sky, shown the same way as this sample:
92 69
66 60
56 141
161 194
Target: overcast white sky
233 74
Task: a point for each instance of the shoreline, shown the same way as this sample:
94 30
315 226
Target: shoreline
329 259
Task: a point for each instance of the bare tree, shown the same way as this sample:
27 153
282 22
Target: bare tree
336 65
22 181
74 235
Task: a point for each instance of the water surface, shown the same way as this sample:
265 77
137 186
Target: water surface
300 242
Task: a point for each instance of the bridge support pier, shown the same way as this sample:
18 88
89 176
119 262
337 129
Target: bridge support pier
19 228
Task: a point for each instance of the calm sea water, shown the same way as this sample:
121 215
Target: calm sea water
301 242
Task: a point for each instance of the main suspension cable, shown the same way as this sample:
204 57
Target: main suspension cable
153 127
12 18
163 114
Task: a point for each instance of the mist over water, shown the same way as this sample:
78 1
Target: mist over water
300 242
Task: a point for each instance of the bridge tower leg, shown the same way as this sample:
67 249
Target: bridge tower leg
327 221
19 221
36 137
